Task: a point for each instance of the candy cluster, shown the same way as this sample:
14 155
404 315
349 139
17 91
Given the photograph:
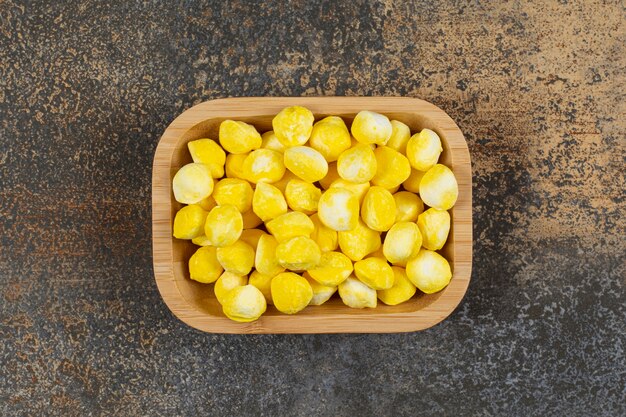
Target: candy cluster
310 208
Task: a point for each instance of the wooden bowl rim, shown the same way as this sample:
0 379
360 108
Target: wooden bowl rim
374 322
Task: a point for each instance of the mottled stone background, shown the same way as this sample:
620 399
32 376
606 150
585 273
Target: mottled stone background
87 87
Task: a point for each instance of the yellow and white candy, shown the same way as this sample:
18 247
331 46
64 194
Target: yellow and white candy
423 150
204 266
379 209
265 260
306 163
268 202
237 258
400 135
290 225
298 254
338 209
302 196
403 242
375 273
429 271
239 137
244 304
263 165
439 188
235 192
192 183
434 226
408 206
401 290
208 152
290 292
330 137
357 164
359 242
355 294
293 126
189 222
392 168
223 225
332 269
369 127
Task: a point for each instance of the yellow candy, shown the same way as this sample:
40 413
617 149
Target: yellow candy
298 254
244 304
357 164
331 176
330 137
263 283
434 226
250 220
379 209
429 271
357 189
393 167
338 209
412 183
400 135
208 152
265 260
423 150
252 236
282 183
239 137
234 192
237 258
189 222
270 141
263 165
223 225
307 163
324 236
268 202
290 292
234 165
289 225
321 293
359 242
201 240
402 242
375 273
401 291
369 127
192 183
302 196
204 266
408 206
226 282
207 203
439 188
293 126
355 294
332 270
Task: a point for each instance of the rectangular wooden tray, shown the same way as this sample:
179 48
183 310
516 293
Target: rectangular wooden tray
195 304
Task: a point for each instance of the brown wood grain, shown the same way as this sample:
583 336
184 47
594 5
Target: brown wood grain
194 303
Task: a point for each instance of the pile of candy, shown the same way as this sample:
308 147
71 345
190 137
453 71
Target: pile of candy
312 208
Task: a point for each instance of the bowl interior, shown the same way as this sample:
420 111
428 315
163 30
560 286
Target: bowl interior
201 297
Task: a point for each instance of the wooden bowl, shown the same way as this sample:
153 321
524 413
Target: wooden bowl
195 304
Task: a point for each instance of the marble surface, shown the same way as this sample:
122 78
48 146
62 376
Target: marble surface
87 87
